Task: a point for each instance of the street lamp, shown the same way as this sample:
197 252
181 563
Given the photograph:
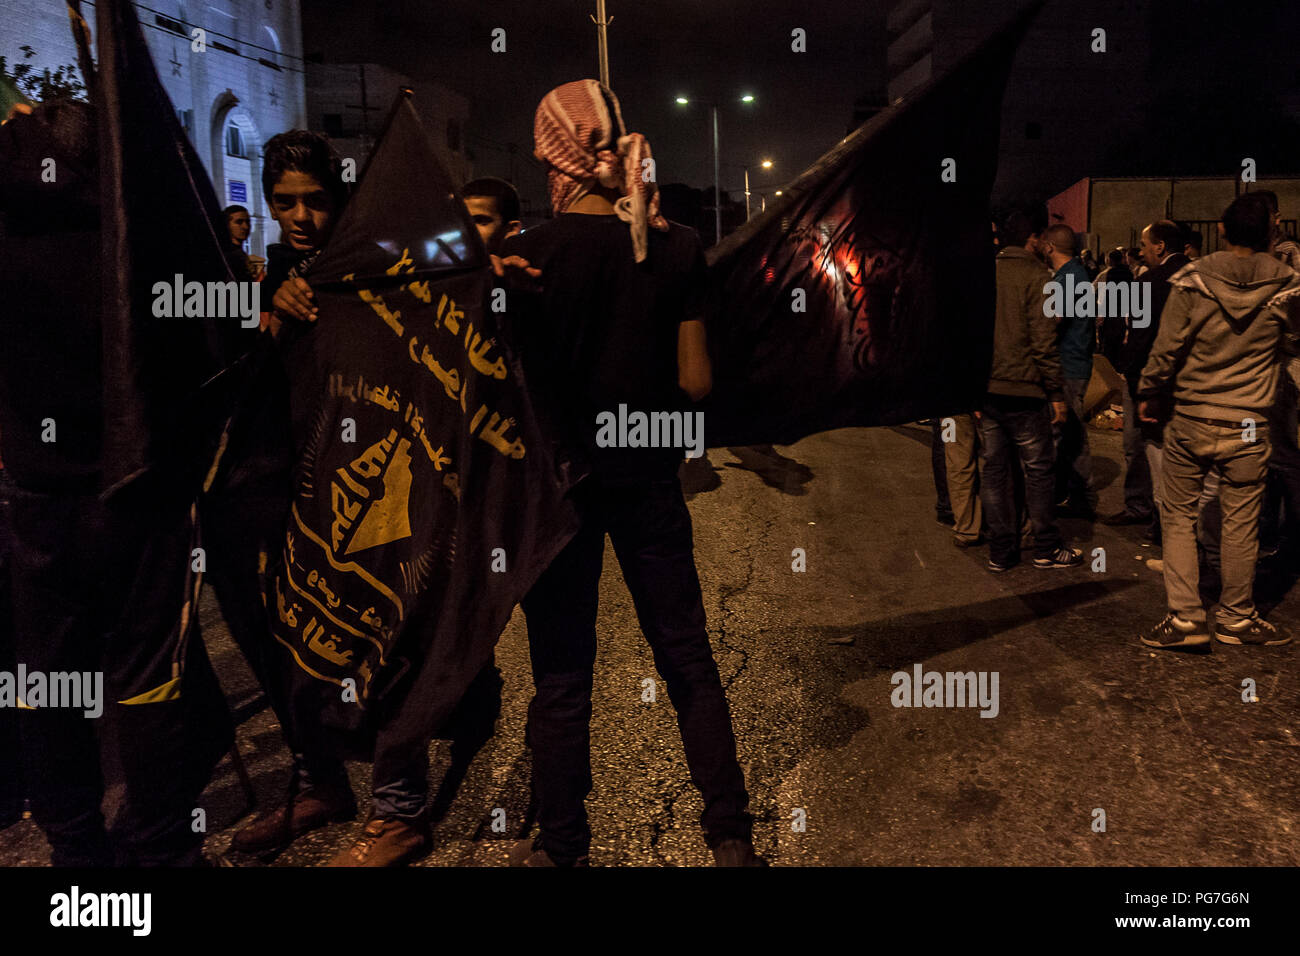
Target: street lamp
747 98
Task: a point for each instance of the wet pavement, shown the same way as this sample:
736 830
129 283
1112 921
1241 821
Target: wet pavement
1088 720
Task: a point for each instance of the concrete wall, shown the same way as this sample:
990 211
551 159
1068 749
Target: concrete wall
1121 208
334 98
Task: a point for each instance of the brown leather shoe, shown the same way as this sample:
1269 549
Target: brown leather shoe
273 831
387 842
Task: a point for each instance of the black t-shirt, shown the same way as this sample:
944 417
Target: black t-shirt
603 331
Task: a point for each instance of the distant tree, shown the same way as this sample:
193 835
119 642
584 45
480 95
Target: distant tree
61 83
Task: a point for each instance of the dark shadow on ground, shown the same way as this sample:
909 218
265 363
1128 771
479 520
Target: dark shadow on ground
1105 472
776 470
908 638
698 476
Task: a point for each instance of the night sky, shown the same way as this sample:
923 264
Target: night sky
1187 88
658 50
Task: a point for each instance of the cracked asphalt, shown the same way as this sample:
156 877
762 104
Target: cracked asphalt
1089 722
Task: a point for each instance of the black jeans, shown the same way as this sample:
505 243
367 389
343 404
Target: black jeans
650 528
1017 431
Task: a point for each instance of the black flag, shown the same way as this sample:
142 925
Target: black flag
865 295
159 220
426 498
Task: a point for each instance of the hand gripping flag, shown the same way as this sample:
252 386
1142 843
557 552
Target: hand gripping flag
426 497
864 296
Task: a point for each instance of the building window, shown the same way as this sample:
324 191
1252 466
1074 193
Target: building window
167 23
453 136
333 123
235 142
186 118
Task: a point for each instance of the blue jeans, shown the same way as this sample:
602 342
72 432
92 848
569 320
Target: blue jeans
1017 431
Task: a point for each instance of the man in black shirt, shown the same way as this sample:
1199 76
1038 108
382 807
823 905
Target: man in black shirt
610 327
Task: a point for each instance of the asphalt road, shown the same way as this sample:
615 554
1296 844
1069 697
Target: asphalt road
1185 770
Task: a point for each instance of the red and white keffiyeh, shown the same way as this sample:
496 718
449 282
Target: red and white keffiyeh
584 144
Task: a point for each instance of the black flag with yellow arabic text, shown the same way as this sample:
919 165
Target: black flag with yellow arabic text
426 500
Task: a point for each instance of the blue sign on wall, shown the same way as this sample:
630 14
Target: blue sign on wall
238 190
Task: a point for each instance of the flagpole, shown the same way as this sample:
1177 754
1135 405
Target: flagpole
602 23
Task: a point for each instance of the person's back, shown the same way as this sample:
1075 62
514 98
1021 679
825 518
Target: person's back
1218 352
604 330
1024 400
1025 359
613 333
1225 330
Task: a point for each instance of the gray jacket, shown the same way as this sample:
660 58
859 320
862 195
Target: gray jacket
1220 336
1026 361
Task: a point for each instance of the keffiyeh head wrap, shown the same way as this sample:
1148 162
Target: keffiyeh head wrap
579 134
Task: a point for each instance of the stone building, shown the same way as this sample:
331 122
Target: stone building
239 87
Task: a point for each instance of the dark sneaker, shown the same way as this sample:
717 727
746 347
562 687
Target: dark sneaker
1175 633
965 543
1255 631
387 842
1063 558
997 567
530 853
275 830
947 520
736 853
1125 518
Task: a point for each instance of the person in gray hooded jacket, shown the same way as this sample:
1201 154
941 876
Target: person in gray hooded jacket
1219 352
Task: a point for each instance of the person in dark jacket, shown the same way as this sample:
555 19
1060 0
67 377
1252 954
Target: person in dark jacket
1162 242
1025 398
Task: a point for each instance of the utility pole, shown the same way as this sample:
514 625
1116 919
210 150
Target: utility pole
717 175
365 108
602 24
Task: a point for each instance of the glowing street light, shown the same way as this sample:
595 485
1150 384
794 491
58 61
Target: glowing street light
747 98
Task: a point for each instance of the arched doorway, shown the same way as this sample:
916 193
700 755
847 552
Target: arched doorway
237 165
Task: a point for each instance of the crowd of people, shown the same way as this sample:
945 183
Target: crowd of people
1212 469
1209 398
606 286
